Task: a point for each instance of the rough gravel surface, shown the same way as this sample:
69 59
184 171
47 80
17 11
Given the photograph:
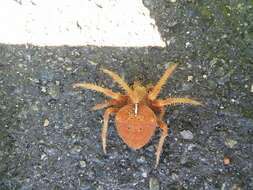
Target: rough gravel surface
49 138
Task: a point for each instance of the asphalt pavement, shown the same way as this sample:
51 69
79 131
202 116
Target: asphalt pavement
51 140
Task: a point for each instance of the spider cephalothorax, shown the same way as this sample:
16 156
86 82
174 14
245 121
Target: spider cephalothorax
138 111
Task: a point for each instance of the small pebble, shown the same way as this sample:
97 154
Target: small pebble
230 143
154 183
76 149
46 123
69 69
226 160
43 89
20 65
34 107
189 78
144 174
233 100
186 86
236 187
60 59
251 89
82 164
93 62
100 187
54 91
171 40
186 134
223 186
204 76
187 44
213 61
141 160
57 83
183 159
43 157
174 176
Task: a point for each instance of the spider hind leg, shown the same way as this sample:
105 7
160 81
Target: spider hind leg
164 134
106 116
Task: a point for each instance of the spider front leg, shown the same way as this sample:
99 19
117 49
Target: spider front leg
112 102
106 116
105 104
105 91
157 88
164 128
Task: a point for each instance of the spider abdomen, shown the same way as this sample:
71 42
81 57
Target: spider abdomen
136 129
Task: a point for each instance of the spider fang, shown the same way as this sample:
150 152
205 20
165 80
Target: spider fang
135 109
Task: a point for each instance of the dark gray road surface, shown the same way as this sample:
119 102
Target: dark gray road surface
50 140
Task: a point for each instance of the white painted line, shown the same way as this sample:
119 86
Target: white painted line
124 23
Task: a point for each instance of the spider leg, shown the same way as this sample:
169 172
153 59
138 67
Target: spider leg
105 104
106 116
110 102
164 128
122 84
157 88
105 91
174 101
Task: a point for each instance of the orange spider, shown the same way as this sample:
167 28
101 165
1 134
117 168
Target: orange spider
138 112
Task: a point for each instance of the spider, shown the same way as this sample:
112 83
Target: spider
137 112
